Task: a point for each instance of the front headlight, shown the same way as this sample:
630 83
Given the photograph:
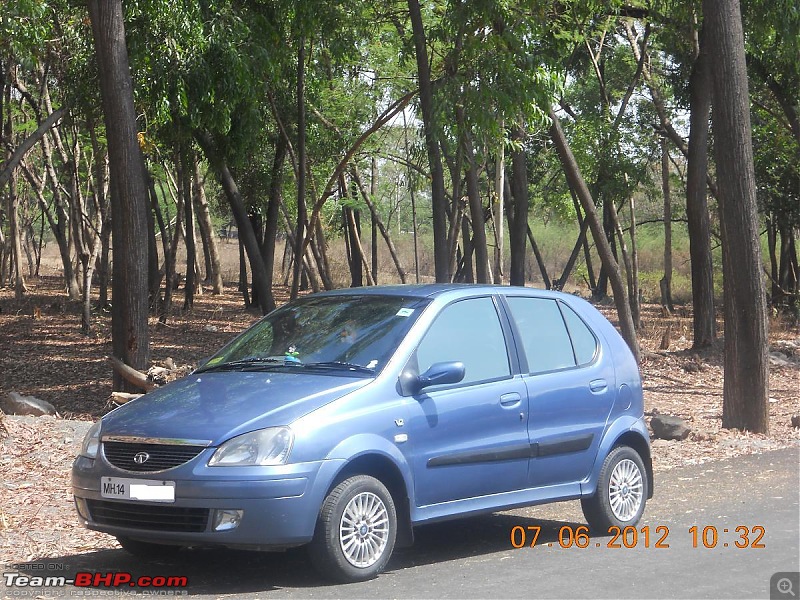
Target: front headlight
91 442
269 446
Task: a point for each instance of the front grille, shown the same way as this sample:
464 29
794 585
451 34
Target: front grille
148 516
159 456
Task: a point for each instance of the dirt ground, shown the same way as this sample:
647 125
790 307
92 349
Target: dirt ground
43 353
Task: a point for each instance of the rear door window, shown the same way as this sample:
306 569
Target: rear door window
544 334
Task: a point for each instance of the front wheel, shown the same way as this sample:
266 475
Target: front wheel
621 491
356 530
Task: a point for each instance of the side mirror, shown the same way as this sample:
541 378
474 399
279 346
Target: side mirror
438 374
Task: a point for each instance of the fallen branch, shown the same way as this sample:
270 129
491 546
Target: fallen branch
131 375
123 397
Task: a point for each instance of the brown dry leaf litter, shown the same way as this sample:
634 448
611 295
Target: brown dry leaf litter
48 357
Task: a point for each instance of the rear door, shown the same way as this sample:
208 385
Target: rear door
570 388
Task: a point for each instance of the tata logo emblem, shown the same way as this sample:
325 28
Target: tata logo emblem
141 457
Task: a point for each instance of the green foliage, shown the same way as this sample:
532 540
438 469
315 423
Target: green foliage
25 26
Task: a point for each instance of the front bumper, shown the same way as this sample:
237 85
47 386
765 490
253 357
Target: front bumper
280 504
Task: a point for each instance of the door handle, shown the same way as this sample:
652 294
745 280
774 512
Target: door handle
598 385
511 399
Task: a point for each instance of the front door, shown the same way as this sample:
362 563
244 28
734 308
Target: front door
469 439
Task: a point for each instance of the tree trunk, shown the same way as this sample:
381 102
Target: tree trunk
154 273
104 220
355 253
243 287
300 231
475 204
499 212
256 222
582 241
357 250
308 261
746 381
384 232
130 334
558 284
787 268
539 260
185 180
170 258
16 239
438 197
636 305
699 226
666 281
410 177
373 191
578 184
519 226
101 201
630 271
86 319
273 216
772 248
61 222
246 234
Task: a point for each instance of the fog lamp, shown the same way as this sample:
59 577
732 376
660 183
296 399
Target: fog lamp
82 508
226 519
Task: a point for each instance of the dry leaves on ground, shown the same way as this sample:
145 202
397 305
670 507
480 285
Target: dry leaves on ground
47 357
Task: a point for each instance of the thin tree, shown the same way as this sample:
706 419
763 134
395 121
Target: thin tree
300 231
129 331
698 221
578 184
438 198
666 281
746 385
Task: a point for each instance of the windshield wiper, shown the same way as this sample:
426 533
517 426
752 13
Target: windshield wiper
254 361
339 366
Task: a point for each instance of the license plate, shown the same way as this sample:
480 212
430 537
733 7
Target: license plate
153 490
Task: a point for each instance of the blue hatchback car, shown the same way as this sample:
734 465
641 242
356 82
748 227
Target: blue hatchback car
345 419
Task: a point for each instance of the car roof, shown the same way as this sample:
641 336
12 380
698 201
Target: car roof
430 290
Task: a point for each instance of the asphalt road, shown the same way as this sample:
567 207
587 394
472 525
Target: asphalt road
474 558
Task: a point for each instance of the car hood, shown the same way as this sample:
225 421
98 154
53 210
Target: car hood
218 406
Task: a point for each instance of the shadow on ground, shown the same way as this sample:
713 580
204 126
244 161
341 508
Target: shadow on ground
238 572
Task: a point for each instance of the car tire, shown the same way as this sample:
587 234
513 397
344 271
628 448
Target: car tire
148 550
356 530
621 492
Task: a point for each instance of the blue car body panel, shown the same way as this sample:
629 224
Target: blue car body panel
218 406
456 449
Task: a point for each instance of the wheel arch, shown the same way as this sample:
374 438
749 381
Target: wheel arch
625 431
634 440
385 470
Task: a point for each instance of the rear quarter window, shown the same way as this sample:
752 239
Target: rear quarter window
583 340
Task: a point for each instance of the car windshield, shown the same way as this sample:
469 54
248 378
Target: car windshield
355 334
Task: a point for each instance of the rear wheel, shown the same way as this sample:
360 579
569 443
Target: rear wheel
621 492
356 530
